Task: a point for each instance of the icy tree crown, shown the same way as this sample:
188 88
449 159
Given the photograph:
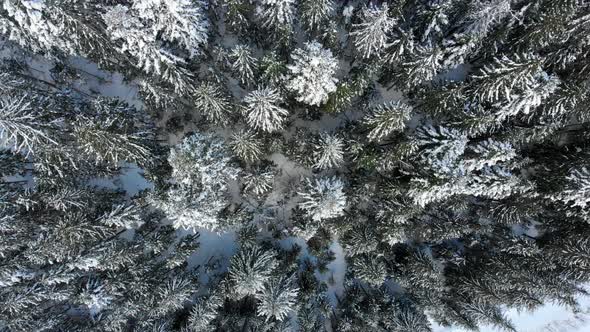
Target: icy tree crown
312 73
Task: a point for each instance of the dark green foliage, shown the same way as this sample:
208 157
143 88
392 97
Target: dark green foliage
444 178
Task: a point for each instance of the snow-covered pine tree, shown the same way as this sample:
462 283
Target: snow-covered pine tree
328 151
261 179
202 169
246 146
312 74
27 22
62 27
323 198
212 103
384 119
278 16
372 33
277 298
314 14
472 167
21 126
243 63
272 69
370 269
160 36
262 110
250 269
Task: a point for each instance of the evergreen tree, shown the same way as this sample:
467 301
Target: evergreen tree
371 34
312 71
277 15
385 119
323 198
315 14
243 63
250 269
329 151
277 298
202 168
263 111
246 146
212 103
401 163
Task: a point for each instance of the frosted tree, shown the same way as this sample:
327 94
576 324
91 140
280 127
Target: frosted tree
402 44
312 74
246 146
328 151
277 15
490 182
148 28
385 119
497 183
370 269
183 22
202 169
277 299
243 63
250 269
204 312
507 75
118 136
487 172
577 189
263 111
138 39
371 35
481 19
496 150
237 17
212 103
323 198
260 181
314 13
94 296
21 127
422 65
490 153
443 150
436 17
27 23
484 15
529 98
272 69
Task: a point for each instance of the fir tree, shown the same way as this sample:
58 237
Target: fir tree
323 198
329 151
212 103
250 269
202 169
243 63
312 71
246 146
385 119
315 13
447 182
371 34
277 298
263 111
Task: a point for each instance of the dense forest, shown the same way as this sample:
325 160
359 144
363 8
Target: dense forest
377 165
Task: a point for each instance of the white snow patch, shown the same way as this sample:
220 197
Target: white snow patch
130 180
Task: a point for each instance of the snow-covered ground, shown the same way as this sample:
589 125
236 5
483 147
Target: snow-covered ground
130 180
